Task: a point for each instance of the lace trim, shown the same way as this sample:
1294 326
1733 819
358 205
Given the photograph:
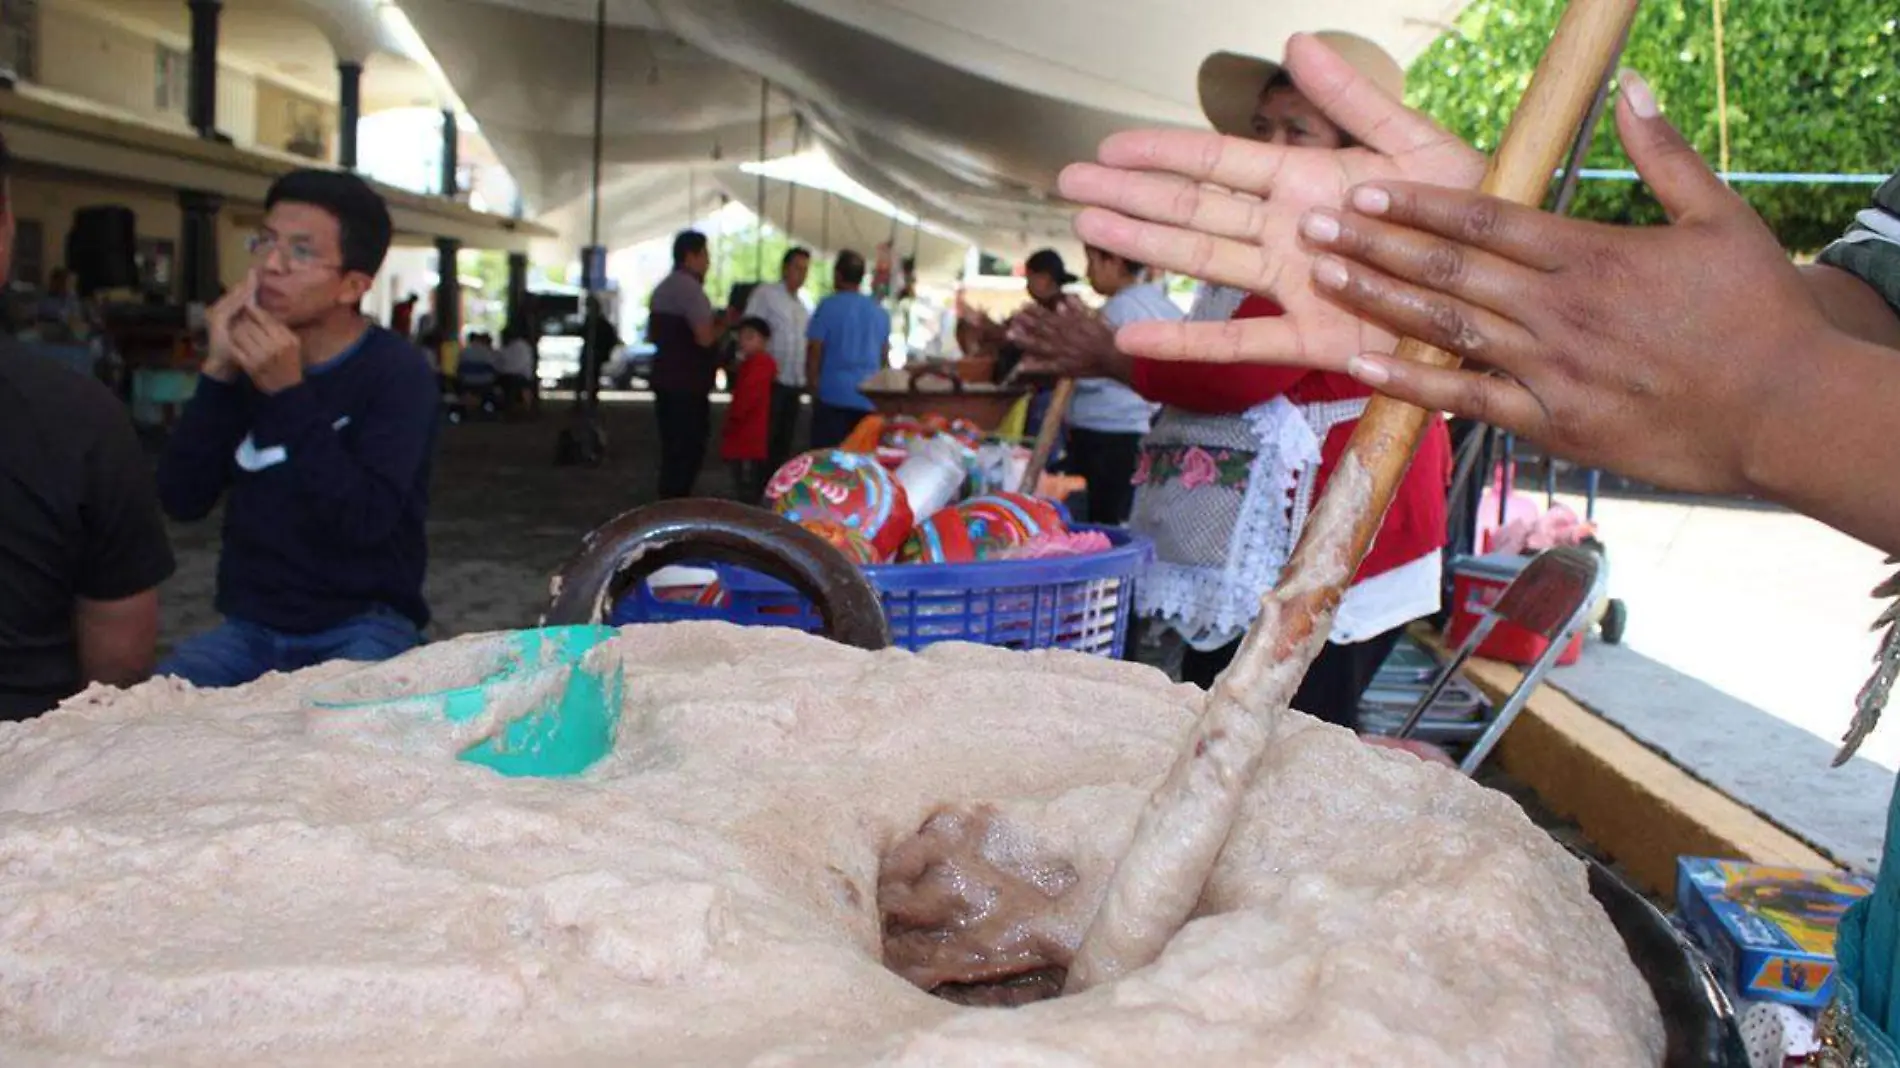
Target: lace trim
1196 602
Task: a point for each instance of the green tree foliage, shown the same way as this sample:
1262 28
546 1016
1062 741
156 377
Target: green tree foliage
1813 86
737 258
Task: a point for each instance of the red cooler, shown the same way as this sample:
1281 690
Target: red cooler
1477 583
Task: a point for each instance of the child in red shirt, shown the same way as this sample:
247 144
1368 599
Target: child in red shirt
743 445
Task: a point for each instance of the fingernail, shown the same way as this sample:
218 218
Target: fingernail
1371 200
1642 99
1372 372
1320 227
1329 272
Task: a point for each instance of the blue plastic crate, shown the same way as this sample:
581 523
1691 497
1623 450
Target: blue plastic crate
1082 603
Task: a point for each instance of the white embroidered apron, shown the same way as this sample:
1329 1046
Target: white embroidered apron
1224 498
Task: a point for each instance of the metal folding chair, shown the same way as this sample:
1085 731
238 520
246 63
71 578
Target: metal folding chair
1552 597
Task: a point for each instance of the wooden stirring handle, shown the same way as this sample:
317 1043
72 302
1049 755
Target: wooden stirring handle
1188 819
1048 435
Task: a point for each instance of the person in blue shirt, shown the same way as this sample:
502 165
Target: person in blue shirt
848 341
316 429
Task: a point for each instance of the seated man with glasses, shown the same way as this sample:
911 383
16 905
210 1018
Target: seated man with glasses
316 428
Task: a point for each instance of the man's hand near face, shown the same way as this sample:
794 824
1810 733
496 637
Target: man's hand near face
266 350
221 361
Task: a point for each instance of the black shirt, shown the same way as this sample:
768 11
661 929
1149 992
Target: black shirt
78 519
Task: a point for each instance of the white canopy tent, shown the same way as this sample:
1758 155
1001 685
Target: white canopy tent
961 113
830 222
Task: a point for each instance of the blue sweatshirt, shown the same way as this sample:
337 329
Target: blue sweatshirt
328 485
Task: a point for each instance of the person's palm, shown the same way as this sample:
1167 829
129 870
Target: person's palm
1227 210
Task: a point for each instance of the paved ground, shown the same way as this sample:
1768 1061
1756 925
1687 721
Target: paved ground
1766 606
1770 765
1747 643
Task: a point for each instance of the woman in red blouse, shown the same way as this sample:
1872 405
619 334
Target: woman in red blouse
1241 451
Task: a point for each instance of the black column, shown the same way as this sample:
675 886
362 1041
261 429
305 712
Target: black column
198 246
203 103
451 151
518 292
349 94
593 354
448 290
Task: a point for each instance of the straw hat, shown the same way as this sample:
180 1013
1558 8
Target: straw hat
1230 82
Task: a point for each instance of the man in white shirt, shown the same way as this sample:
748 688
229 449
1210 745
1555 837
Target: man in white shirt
516 356
514 367
1107 419
477 369
783 307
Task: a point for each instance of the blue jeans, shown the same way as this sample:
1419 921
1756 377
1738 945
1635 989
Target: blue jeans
237 652
830 424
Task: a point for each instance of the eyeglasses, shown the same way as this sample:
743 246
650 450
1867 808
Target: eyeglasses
297 256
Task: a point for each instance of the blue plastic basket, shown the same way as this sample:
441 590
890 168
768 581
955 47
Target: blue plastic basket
1081 603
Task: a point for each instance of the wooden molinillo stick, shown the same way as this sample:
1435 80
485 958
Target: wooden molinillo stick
1188 819
1047 437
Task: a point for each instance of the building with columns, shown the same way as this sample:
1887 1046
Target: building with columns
184 111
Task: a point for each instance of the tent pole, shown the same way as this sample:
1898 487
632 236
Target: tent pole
600 112
1586 134
719 246
791 188
758 231
1721 84
890 284
581 441
592 359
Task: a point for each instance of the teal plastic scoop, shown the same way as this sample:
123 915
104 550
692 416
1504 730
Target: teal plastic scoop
543 705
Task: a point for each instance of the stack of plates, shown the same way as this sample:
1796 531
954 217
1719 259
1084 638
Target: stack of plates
1456 718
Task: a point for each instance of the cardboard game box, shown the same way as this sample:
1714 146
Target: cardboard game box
1769 931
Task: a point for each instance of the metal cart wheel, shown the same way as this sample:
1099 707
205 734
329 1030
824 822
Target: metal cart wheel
631 547
1615 617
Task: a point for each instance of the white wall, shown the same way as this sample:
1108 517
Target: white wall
116 66
409 269
237 106
101 62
